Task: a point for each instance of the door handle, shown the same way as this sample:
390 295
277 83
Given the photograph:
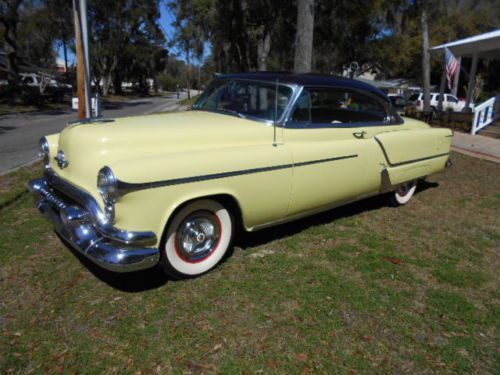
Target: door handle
359 135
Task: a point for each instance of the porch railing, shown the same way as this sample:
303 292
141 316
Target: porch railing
483 115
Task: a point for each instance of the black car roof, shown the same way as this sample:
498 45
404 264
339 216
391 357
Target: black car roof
308 79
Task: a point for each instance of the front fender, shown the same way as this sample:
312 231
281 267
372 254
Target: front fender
257 177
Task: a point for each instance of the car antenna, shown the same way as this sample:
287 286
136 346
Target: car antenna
275 119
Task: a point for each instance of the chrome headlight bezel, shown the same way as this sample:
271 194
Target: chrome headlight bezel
44 150
107 186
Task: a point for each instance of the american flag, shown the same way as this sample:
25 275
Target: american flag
452 66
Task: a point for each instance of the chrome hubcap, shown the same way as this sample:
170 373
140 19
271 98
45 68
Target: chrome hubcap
404 189
198 236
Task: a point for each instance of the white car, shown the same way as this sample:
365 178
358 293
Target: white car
450 102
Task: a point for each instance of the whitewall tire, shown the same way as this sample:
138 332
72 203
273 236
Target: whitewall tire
197 238
404 193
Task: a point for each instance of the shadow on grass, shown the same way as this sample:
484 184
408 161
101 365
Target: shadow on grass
153 278
14 199
261 237
131 282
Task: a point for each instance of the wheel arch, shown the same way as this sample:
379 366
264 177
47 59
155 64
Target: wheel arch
226 199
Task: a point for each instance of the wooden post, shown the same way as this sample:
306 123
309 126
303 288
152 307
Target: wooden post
456 78
472 82
441 89
80 65
86 55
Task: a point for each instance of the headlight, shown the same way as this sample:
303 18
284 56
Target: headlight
107 185
44 150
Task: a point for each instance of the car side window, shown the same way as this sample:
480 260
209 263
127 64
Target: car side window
248 98
337 106
302 111
451 99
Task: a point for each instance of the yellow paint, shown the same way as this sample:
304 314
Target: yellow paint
194 143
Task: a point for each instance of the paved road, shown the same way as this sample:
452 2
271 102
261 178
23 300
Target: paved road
19 134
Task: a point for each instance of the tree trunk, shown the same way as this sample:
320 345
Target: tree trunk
188 74
304 36
10 20
426 61
263 48
65 55
106 83
117 84
97 83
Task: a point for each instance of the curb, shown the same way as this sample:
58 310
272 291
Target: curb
27 164
476 154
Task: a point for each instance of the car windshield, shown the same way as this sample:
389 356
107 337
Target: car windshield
245 99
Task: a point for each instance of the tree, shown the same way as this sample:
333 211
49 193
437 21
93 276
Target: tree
60 14
263 35
9 18
426 63
241 32
304 36
123 34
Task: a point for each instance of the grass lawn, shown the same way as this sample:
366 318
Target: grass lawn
129 96
7 108
364 289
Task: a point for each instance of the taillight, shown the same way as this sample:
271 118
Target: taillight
419 103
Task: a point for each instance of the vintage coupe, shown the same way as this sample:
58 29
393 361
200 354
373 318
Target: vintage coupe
256 150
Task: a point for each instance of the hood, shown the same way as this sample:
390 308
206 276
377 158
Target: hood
89 147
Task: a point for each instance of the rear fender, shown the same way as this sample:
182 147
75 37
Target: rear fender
412 154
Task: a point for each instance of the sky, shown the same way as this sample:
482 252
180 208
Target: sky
166 20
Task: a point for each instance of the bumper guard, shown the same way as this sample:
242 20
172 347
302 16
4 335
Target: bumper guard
109 247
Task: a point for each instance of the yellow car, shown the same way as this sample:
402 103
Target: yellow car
256 150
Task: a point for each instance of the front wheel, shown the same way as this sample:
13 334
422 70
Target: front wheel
197 239
404 193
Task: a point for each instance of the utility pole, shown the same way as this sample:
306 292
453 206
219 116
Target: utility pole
82 58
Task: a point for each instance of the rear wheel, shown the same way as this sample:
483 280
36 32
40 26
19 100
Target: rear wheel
197 239
404 193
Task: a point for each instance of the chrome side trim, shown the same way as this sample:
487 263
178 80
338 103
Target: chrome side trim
128 187
96 216
421 159
407 161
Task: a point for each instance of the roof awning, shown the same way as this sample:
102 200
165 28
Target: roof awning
387 84
486 45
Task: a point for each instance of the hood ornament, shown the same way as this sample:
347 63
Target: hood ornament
62 162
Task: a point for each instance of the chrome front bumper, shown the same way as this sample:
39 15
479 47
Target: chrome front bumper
77 218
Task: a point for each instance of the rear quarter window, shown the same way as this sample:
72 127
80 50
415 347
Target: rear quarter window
337 106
